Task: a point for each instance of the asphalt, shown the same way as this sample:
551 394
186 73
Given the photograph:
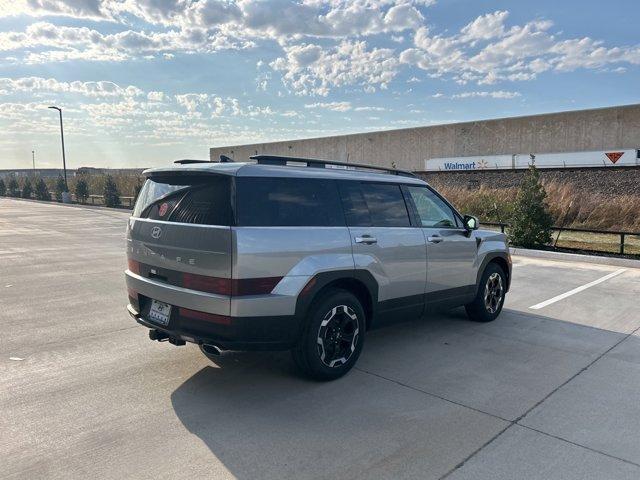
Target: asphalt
537 394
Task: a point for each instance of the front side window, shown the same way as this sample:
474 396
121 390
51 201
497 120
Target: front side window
432 211
287 202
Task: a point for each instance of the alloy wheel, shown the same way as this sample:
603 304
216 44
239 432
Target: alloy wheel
493 292
338 336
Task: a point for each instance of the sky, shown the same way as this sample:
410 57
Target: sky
142 83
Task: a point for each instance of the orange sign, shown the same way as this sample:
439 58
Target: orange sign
614 156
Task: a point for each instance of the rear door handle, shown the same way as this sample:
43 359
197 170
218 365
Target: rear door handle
366 239
435 239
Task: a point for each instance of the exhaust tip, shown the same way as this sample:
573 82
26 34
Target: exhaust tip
211 349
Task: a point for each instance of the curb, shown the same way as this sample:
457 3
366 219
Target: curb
575 257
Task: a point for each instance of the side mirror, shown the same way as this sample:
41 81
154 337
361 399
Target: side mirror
470 222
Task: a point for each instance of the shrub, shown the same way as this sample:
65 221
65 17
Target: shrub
82 190
111 194
531 223
42 190
3 188
13 186
27 189
61 187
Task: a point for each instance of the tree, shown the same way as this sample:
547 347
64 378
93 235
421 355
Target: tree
13 186
3 188
42 190
27 189
111 194
532 222
136 189
61 187
82 190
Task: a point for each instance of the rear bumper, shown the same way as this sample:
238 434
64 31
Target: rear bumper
252 322
241 333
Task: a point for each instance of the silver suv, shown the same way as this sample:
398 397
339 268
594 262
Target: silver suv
308 255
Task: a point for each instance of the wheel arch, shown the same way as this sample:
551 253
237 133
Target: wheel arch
358 282
499 258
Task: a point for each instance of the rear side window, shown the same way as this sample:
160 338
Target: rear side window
374 204
203 200
356 211
287 202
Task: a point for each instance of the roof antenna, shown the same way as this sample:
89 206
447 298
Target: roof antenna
225 159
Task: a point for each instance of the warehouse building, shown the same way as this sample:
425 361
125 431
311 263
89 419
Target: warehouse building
604 137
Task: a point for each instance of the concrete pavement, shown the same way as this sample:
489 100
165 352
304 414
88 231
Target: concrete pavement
547 393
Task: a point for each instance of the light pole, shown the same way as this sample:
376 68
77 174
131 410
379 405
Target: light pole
33 159
64 161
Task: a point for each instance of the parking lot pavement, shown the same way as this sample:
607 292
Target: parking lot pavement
541 393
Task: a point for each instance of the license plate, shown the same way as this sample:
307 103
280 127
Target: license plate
160 312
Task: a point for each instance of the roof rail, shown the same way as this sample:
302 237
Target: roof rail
186 161
315 163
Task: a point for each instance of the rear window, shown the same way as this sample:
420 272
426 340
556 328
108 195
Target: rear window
374 205
204 200
287 202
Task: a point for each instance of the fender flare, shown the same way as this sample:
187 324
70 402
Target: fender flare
488 258
320 280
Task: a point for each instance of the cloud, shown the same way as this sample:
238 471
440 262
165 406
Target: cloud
483 94
334 106
312 70
485 27
82 43
37 85
486 51
370 109
323 45
204 105
88 9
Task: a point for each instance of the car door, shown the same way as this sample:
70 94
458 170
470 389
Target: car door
386 244
451 249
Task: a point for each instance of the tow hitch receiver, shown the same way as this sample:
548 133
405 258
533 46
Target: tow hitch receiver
161 336
158 335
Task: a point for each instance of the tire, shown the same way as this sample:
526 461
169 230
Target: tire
490 297
332 337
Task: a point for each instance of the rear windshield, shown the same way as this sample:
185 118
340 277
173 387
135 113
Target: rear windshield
204 200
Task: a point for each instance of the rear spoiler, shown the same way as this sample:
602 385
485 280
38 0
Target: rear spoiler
186 161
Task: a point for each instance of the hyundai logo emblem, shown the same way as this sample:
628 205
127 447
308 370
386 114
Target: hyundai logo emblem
156 232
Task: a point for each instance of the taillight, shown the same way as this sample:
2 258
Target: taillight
207 317
220 286
254 286
227 286
134 266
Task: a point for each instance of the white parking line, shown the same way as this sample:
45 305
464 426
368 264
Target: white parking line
540 305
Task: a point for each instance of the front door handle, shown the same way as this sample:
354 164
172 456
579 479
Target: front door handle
366 239
435 239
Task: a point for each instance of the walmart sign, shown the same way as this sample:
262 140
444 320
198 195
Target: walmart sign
602 158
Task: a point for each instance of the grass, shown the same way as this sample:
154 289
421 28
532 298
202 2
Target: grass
569 206
598 242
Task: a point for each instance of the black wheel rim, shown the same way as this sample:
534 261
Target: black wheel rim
338 336
493 293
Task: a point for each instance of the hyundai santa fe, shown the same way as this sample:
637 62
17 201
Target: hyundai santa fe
304 255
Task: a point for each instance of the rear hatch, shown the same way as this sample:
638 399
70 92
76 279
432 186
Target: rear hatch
180 236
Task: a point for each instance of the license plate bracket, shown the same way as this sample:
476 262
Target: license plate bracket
160 312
